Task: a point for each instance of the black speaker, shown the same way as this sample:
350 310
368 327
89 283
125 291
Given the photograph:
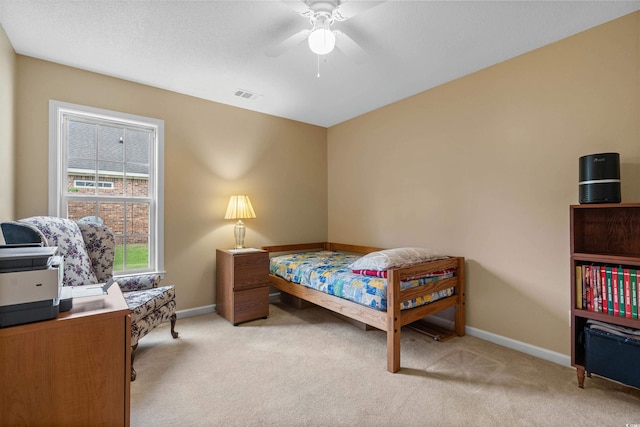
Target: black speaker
599 180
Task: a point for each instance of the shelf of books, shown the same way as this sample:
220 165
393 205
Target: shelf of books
611 290
605 272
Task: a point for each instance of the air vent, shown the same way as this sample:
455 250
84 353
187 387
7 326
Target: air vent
246 94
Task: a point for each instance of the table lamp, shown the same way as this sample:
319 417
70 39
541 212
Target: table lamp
239 208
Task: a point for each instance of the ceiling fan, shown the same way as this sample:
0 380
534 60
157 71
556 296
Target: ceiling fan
320 37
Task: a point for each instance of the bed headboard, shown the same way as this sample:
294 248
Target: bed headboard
327 246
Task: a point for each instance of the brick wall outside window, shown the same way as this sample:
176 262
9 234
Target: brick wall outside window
112 214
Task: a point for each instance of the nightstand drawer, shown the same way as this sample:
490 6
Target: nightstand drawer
250 271
251 304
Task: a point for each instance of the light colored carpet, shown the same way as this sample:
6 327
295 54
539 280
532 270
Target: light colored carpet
309 368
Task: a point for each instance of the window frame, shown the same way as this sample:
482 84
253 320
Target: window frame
58 110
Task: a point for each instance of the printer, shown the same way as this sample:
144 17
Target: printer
30 284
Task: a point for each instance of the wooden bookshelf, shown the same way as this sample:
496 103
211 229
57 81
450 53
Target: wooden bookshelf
601 234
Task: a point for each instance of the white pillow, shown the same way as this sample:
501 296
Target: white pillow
394 258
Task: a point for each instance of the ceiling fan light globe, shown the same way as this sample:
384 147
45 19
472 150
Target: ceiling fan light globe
321 41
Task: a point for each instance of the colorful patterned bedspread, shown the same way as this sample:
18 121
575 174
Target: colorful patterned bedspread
329 272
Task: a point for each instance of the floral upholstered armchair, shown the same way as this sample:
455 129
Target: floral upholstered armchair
88 250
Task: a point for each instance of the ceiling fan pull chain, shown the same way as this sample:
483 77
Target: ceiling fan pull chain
318 75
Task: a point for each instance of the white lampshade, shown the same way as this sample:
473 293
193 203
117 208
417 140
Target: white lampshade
321 41
239 207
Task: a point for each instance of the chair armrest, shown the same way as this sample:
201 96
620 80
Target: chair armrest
138 283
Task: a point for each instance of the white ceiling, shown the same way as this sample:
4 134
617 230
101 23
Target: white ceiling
210 49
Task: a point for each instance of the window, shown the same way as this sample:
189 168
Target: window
107 167
85 183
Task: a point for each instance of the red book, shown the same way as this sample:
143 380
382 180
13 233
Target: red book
597 288
621 305
603 287
594 289
614 281
587 286
627 293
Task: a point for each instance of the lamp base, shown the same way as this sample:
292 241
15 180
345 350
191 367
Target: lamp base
239 231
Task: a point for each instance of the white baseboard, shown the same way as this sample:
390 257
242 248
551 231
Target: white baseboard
197 311
532 350
205 309
523 347
520 346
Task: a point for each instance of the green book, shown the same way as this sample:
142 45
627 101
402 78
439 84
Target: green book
634 295
621 291
609 291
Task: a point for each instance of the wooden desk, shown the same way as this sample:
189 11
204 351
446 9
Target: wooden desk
73 370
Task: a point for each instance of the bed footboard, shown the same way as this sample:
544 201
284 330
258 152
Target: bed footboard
392 320
397 318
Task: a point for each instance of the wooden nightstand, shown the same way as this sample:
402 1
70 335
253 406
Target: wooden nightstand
242 286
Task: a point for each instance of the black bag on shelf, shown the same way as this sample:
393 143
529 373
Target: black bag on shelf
613 352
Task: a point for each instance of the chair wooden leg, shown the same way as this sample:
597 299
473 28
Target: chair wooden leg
174 334
173 318
133 371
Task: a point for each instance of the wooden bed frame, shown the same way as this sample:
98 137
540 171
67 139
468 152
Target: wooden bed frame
392 320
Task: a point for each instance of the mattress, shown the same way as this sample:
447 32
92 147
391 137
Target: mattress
329 272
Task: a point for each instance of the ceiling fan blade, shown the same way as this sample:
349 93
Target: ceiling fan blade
349 9
288 43
350 48
298 6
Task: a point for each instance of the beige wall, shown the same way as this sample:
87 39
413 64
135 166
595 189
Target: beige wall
486 167
7 126
211 151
